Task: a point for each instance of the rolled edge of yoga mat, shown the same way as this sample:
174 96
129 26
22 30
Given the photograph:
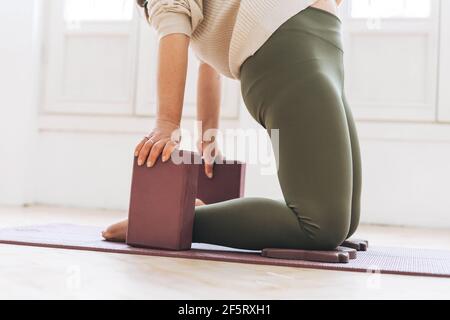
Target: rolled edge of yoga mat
228 182
162 203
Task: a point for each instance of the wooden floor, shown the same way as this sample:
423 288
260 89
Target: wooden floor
39 273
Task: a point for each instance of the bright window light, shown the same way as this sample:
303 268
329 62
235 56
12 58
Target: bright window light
391 8
98 10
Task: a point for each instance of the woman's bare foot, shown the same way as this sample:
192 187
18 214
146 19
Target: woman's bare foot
199 203
118 231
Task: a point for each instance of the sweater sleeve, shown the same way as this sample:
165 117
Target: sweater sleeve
175 16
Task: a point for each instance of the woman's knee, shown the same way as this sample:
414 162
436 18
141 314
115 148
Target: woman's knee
354 221
333 225
331 238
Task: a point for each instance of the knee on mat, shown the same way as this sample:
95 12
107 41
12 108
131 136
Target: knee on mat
332 238
333 229
352 230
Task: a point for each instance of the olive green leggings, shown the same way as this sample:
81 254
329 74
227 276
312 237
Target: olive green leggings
294 83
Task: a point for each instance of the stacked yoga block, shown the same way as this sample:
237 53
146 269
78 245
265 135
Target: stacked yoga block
163 197
227 183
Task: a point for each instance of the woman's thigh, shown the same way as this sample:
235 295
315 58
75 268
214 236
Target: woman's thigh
314 155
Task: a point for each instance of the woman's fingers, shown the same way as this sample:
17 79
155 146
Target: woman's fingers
209 169
155 151
210 153
168 149
138 148
145 150
209 164
150 148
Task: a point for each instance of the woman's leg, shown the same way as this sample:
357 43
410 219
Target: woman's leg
294 83
357 170
315 174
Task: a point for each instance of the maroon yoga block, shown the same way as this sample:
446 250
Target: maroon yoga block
162 204
228 182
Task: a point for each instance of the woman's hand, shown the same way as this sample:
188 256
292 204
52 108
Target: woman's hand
208 111
163 139
210 153
171 80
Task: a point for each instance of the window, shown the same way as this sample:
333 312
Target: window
91 49
392 57
98 10
444 64
391 9
100 63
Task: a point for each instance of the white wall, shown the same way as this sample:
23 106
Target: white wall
18 100
406 180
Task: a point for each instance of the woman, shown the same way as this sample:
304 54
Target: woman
288 56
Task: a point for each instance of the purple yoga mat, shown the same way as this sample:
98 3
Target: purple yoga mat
404 261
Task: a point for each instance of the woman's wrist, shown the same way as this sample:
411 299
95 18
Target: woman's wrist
162 122
207 126
169 128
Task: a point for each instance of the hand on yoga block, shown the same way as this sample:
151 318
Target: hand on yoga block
227 183
162 202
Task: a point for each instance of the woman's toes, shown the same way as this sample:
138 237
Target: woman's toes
106 235
116 232
199 202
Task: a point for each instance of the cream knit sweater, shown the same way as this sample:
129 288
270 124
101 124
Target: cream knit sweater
224 33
